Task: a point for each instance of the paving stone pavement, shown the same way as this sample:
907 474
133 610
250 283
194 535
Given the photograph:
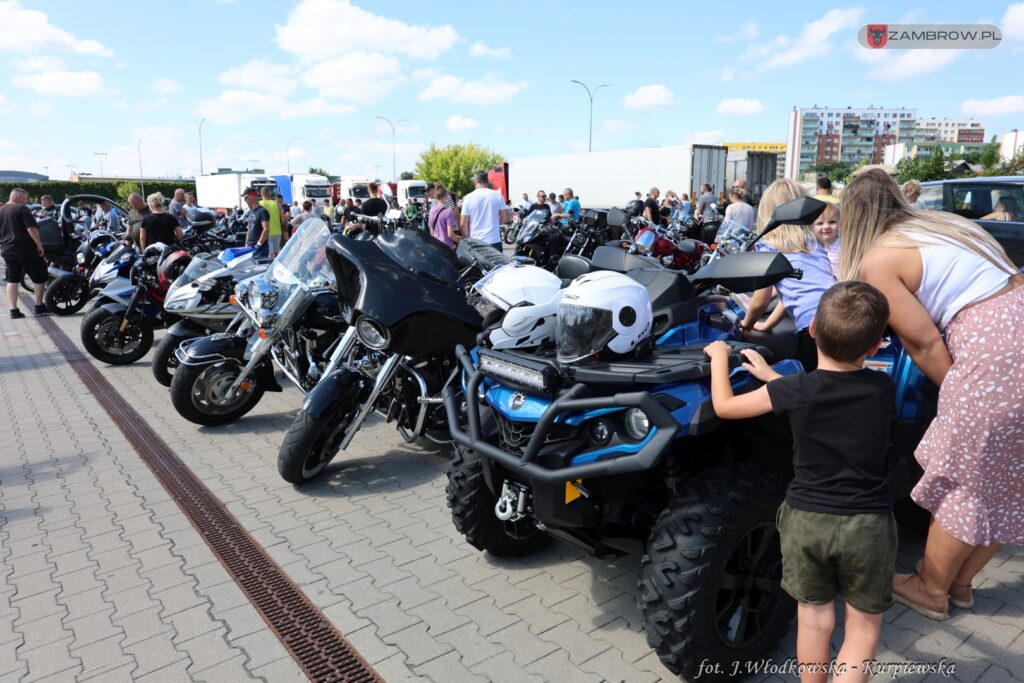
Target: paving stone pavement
105 579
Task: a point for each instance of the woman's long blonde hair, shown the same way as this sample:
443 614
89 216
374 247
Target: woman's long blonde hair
788 239
875 212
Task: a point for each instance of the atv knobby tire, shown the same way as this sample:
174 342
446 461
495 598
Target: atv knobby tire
713 552
472 505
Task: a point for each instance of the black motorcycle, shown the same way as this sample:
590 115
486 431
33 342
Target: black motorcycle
410 342
541 240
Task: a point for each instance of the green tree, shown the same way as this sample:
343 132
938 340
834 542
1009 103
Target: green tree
836 171
923 168
990 157
407 175
318 171
454 165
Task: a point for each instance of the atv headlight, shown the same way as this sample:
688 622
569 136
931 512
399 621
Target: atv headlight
637 423
372 333
517 372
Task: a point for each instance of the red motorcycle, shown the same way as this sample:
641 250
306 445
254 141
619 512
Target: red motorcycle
684 255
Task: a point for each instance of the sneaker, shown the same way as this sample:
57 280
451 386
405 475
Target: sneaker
42 310
960 595
907 590
16 313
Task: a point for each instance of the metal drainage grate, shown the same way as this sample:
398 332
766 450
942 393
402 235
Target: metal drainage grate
317 646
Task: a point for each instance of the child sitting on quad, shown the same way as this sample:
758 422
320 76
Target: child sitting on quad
836 526
798 297
826 229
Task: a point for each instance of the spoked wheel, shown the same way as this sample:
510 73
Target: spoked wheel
65 296
201 393
509 235
310 445
105 341
710 580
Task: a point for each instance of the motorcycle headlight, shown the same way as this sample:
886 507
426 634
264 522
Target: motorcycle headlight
80 257
262 294
637 423
372 333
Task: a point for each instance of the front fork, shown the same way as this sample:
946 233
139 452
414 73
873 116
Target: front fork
383 379
130 309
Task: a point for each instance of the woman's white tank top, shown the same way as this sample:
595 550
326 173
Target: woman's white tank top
953 276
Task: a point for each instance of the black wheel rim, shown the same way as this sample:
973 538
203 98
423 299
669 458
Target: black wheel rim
749 597
68 296
114 342
324 449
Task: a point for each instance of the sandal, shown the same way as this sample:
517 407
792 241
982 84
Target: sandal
907 590
960 595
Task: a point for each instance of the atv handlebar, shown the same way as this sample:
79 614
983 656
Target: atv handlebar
663 430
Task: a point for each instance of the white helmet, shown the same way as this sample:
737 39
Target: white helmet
529 297
602 311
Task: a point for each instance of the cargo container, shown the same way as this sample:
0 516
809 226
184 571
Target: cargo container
607 179
224 190
759 169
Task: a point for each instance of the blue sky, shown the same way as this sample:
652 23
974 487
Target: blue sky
78 79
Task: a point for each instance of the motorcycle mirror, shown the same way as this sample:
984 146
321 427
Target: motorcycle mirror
802 211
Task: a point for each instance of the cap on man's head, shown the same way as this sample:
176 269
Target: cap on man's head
251 192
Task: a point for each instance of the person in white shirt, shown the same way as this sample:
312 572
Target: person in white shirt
483 212
526 203
738 210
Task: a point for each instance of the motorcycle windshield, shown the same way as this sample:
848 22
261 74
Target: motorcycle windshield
421 254
195 270
303 261
733 237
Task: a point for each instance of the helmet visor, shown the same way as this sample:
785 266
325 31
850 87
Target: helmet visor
582 331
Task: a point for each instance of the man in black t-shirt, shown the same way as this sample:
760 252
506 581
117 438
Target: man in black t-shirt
22 251
651 206
836 526
375 206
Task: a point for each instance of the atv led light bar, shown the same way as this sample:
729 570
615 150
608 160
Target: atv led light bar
520 372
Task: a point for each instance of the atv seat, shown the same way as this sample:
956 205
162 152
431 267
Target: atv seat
781 340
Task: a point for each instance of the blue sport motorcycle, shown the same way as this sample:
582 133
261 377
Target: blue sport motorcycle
629 456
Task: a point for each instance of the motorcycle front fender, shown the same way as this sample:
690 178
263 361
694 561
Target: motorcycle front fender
61 274
213 349
186 328
342 390
113 307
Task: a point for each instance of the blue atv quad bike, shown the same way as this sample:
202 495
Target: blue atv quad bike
629 457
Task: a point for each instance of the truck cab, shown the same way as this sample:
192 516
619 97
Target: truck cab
412 192
310 186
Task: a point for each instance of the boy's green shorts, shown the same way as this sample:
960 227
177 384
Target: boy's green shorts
824 554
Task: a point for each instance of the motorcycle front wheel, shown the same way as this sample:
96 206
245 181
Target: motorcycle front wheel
309 446
164 361
103 338
200 393
65 297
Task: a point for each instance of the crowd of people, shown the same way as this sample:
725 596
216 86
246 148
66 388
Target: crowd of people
956 301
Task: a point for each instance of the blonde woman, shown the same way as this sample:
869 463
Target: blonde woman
159 225
911 191
798 298
943 274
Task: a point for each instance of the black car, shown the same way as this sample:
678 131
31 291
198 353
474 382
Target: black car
996 204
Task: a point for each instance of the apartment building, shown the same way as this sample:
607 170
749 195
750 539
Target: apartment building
828 134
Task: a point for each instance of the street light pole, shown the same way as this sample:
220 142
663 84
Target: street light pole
394 170
201 146
590 133
100 155
142 183
288 154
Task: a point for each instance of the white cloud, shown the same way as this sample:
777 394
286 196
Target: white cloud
899 65
616 126
490 89
7 144
232 106
401 128
27 31
814 42
481 49
40 108
313 107
260 75
999 106
747 31
5 105
165 86
457 123
705 137
363 78
1012 24
63 83
319 29
739 106
39 64
649 96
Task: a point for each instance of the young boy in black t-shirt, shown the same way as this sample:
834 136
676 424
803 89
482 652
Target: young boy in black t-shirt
836 525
